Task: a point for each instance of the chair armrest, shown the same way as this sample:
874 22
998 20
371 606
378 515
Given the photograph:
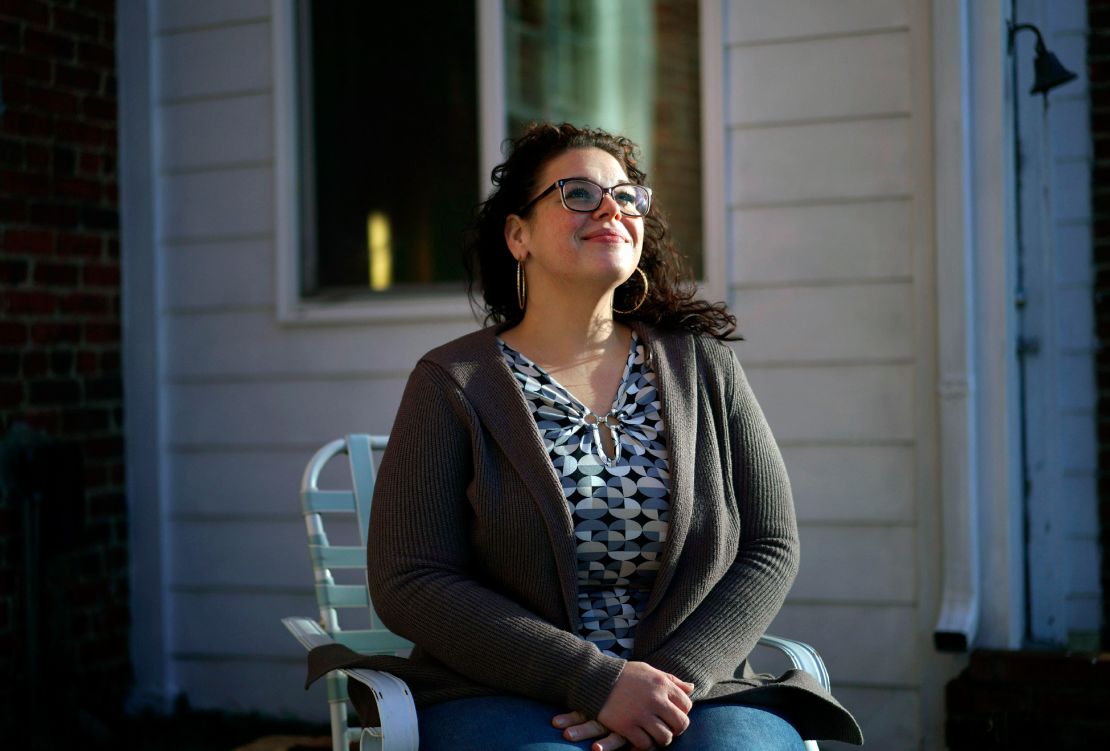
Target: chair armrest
396 708
801 656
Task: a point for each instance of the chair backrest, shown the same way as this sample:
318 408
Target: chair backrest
349 507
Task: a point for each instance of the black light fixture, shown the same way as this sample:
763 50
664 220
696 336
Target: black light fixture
1048 71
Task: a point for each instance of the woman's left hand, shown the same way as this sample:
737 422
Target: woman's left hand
577 728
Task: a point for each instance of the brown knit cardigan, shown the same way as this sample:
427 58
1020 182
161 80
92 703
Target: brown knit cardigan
472 553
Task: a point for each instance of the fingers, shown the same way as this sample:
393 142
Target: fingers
682 701
567 719
609 742
686 686
585 730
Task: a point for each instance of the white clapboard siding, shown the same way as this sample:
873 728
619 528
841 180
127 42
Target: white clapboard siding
250 344
1079 501
207 132
1075 489
842 323
1070 120
211 62
280 412
217 204
243 482
825 209
848 403
757 21
219 275
206 629
846 636
248 398
829 70
888 717
1071 190
175 15
820 161
834 483
252 555
1073 244
857 564
830 242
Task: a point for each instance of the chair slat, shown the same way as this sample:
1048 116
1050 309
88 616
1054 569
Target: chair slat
327 501
342 595
337 556
363 473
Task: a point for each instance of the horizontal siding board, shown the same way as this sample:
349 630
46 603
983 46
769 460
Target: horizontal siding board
252 344
1083 570
1075 318
1071 131
856 563
242 483
1079 502
170 15
281 412
238 624
1071 191
840 323
219 275
820 78
214 62
1067 15
858 643
836 403
851 483
1073 250
275 689
257 554
1079 443
216 204
1076 384
821 161
220 131
758 20
890 718
782 244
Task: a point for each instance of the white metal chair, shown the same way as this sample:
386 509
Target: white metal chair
398 730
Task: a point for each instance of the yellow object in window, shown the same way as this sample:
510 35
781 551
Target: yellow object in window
380 249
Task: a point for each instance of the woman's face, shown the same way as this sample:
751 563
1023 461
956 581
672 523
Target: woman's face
598 249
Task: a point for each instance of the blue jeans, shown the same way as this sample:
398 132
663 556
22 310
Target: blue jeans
510 723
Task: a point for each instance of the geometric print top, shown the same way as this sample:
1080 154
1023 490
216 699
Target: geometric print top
619 505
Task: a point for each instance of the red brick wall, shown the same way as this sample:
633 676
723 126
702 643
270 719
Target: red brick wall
1098 67
60 335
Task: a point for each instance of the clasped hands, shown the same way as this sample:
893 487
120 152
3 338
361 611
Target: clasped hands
647 708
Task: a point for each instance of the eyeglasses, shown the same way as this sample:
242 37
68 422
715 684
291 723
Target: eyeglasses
583 195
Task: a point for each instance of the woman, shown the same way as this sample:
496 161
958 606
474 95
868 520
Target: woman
582 520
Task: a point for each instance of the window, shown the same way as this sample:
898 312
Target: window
390 123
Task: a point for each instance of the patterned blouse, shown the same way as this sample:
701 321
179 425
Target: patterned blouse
619 504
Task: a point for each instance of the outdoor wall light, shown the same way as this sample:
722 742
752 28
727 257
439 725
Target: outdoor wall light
1049 72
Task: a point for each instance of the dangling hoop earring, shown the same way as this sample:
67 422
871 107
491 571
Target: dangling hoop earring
643 296
521 285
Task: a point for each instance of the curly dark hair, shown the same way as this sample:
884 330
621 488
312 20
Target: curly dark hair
491 267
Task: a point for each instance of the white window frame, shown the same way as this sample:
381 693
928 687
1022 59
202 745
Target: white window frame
291 308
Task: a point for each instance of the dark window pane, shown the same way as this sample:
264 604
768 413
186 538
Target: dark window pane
392 165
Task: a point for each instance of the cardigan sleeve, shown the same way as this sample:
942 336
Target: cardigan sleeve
419 563
725 626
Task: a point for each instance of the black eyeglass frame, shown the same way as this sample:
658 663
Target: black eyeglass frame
560 184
